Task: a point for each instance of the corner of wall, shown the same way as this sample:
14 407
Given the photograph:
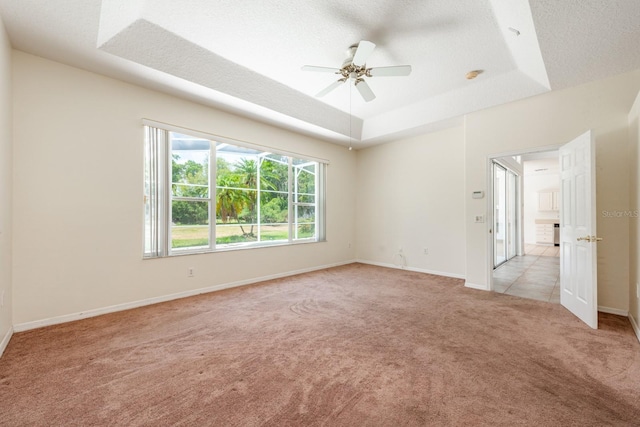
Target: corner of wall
634 207
5 340
634 324
6 189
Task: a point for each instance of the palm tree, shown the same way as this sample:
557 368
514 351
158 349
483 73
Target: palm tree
247 171
229 201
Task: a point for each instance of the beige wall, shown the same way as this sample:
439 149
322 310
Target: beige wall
78 194
5 185
550 120
634 207
77 208
410 196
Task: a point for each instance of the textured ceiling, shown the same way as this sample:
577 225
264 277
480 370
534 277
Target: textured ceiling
247 59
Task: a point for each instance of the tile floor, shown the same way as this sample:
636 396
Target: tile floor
535 275
542 250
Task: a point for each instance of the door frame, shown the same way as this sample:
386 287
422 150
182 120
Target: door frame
490 209
519 212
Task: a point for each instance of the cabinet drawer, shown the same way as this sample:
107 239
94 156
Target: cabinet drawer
544 239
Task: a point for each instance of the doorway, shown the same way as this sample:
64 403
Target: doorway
526 214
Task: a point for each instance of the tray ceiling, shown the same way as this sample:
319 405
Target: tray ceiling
247 59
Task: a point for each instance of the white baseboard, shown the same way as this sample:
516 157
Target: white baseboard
475 286
616 311
5 341
417 270
20 327
635 326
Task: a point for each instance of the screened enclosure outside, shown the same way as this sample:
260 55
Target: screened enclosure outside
190 193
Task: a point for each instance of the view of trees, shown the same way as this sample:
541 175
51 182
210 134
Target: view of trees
236 203
189 179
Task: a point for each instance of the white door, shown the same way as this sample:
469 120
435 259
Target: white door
578 281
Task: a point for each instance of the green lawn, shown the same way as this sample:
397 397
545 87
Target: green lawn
198 235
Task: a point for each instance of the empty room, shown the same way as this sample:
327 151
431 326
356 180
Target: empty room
319 213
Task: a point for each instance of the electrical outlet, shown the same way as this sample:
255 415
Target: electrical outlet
191 272
425 251
349 245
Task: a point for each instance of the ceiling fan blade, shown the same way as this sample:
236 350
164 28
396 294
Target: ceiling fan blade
365 48
365 90
396 70
321 69
329 88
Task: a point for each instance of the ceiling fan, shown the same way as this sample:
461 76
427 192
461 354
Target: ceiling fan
354 69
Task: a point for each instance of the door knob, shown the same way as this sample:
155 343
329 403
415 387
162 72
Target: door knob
590 239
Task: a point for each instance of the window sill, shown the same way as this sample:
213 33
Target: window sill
235 247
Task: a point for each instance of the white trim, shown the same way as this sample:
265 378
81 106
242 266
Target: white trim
219 138
520 152
5 341
417 270
488 228
476 286
615 311
20 327
635 326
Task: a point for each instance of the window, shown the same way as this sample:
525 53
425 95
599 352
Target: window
204 193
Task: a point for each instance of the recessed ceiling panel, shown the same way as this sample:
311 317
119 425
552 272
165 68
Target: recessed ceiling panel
247 57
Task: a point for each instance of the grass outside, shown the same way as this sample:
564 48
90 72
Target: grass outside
193 236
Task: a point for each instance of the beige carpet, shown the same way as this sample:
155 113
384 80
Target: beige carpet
351 346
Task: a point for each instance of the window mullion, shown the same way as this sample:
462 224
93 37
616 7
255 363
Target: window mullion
213 194
296 175
190 199
321 213
290 204
259 197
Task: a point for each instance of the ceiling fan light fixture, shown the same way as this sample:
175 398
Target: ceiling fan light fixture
354 69
473 74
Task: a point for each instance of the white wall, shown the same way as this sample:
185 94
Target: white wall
410 196
533 183
634 207
5 187
78 195
549 120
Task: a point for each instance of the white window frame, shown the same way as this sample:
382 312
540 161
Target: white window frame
158 197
